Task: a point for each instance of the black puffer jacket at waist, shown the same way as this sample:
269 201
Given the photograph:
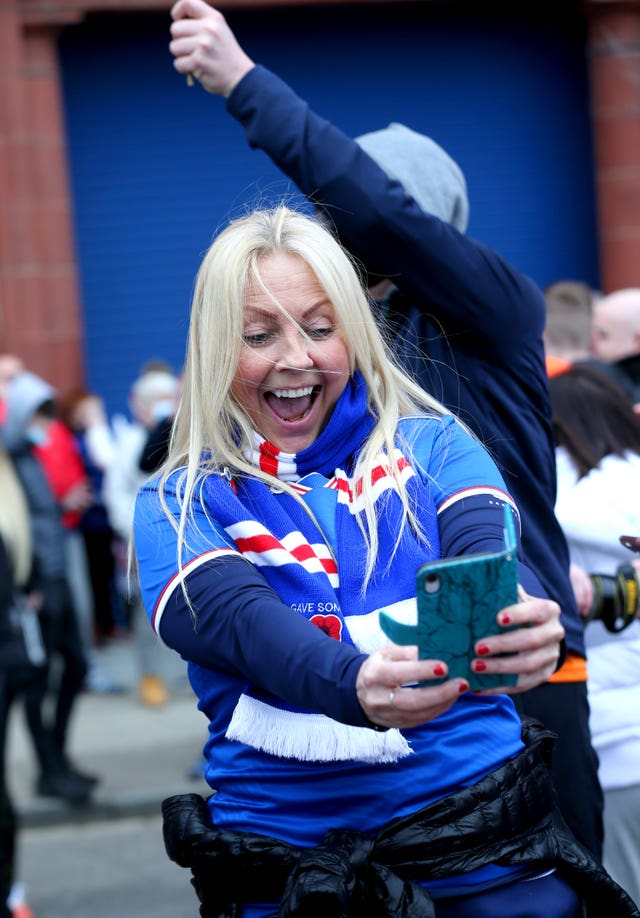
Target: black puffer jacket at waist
508 818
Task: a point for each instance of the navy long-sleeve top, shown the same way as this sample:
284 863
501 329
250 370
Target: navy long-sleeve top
467 323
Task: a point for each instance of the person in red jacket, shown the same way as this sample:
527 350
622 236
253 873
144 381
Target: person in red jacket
65 471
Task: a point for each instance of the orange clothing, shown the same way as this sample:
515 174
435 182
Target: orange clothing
574 669
556 365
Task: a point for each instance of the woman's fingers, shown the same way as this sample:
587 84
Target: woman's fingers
531 622
532 648
388 690
392 684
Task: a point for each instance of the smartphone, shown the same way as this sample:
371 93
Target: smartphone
458 600
631 542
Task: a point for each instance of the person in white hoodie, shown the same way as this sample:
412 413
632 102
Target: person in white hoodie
598 468
153 396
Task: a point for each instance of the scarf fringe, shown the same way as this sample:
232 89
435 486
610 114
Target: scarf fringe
311 737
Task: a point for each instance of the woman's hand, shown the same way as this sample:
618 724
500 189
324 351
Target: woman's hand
387 703
535 649
384 687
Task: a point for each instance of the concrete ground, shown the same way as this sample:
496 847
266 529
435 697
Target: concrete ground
141 754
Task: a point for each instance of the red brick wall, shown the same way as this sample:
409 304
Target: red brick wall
39 304
40 314
614 39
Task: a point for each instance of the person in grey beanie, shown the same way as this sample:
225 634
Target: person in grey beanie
29 409
426 172
465 323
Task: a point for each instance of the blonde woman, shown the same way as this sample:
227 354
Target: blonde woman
15 575
307 480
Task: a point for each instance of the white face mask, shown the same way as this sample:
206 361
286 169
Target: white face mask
36 436
163 409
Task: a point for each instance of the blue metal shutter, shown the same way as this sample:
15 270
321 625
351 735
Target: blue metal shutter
156 167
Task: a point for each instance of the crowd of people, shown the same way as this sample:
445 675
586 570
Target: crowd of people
68 480
336 428
593 349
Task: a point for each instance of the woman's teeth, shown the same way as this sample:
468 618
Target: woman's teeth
293 393
291 404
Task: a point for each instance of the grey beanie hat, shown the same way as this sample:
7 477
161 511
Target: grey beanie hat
426 172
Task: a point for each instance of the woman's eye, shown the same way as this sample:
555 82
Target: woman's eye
256 339
319 333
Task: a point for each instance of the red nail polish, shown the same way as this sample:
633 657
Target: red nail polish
505 620
479 666
438 670
463 687
483 650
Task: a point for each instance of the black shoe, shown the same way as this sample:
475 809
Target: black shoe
66 766
82 776
65 786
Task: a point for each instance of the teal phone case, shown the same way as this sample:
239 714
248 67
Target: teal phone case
458 600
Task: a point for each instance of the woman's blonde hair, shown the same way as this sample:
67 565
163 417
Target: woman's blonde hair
15 524
212 431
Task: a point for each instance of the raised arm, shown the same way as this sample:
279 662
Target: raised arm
467 285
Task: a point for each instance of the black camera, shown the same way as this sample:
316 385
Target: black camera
615 598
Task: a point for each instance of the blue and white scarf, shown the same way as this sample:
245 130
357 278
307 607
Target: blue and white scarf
319 570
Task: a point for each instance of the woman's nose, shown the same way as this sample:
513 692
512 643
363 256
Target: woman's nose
296 351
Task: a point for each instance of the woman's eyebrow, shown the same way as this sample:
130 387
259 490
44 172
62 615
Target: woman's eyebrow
323 303
257 313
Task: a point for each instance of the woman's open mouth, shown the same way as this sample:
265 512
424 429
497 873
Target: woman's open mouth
292 405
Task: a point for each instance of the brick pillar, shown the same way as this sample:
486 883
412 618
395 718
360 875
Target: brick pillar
614 48
39 301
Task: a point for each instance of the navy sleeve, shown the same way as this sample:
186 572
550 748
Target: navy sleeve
241 627
474 527
473 287
462 290
470 495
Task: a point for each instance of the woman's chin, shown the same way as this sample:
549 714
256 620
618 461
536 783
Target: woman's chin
292 442
292 436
